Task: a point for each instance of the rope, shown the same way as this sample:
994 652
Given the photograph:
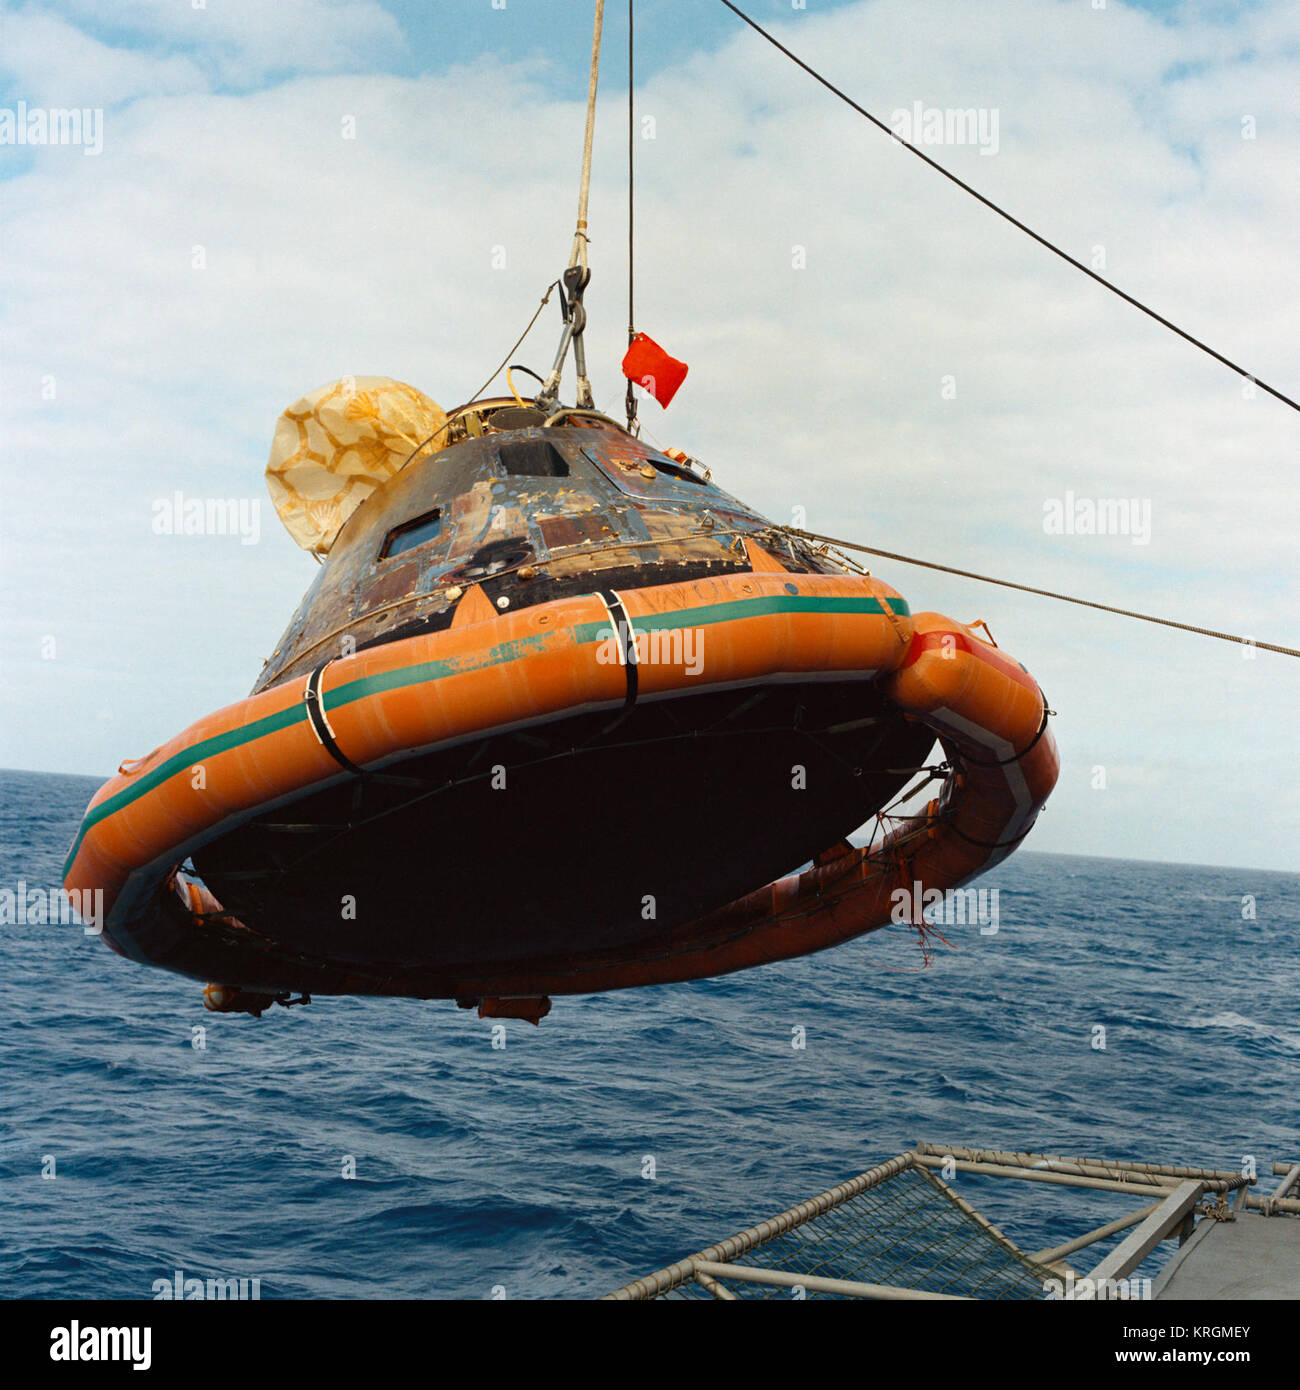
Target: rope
1015 221
577 274
505 361
1042 593
578 256
630 398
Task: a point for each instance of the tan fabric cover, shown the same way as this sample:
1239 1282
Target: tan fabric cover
335 446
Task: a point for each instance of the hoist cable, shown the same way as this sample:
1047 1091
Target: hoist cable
1015 221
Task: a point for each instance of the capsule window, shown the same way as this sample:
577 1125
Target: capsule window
411 533
675 470
533 458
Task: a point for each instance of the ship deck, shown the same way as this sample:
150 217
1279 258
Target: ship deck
900 1231
1252 1258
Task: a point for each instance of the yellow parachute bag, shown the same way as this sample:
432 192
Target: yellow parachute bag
336 445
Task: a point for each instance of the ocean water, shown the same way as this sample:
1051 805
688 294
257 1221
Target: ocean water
523 1169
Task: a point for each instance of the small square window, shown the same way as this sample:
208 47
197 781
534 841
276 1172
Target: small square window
533 458
412 533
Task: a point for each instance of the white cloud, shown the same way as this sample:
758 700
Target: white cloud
240 43
49 62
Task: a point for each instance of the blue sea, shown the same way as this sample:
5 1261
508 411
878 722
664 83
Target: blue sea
522 1170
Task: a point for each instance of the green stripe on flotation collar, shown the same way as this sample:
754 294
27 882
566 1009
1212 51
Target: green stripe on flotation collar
736 609
422 671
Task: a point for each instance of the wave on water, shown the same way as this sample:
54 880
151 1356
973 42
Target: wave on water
385 1148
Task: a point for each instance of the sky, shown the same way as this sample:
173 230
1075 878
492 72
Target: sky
289 193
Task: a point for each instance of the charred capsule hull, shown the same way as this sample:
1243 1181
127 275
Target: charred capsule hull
556 716
527 515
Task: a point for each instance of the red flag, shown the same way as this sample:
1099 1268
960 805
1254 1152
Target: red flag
650 366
